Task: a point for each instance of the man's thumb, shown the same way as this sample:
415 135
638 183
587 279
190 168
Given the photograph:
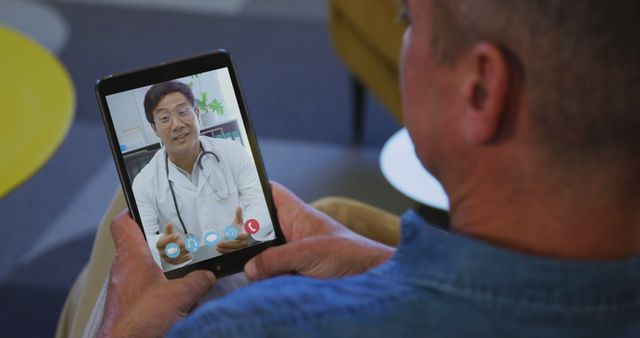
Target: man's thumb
238 216
275 261
194 286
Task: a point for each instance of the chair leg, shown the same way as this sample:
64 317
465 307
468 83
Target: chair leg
358 96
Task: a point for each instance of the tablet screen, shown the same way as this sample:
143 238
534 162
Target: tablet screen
194 179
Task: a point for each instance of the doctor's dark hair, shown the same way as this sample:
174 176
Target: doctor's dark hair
159 90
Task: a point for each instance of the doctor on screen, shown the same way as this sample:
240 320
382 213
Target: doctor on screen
196 190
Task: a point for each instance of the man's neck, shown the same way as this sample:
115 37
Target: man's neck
594 222
186 161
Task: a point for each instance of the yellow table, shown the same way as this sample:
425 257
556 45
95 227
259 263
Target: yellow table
37 103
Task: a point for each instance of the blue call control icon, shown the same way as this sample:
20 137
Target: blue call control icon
211 238
191 244
231 232
172 250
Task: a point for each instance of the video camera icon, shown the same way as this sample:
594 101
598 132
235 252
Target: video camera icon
172 250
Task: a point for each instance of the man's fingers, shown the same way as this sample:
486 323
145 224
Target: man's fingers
227 249
168 236
180 243
238 220
184 258
127 236
288 206
193 287
225 245
231 246
173 238
234 244
224 251
179 260
168 229
277 261
242 237
166 239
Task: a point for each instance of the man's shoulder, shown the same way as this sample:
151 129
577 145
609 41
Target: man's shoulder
230 150
220 142
289 303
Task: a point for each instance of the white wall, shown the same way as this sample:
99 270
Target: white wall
134 131
129 121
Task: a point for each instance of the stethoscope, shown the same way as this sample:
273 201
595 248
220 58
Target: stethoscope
203 153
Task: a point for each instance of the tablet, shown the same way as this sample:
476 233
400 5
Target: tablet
189 164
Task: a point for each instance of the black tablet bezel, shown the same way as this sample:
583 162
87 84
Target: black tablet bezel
221 265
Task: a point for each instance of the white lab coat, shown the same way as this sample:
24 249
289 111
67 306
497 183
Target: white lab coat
201 208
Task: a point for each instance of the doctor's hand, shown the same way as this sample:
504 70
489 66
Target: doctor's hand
241 242
317 245
172 236
141 302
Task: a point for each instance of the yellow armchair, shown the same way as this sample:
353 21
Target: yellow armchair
367 37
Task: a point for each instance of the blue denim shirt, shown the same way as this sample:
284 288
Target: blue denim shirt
438 284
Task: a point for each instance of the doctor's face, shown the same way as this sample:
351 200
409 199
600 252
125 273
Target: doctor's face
176 124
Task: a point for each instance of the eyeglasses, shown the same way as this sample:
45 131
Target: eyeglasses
164 119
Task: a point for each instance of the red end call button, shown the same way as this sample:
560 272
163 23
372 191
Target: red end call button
251 226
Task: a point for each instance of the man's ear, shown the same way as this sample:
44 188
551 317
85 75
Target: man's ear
486 91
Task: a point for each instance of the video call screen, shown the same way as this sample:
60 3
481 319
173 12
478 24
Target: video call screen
193 175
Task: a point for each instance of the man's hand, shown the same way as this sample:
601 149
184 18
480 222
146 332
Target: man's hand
239 243
317 246
141 302
172 236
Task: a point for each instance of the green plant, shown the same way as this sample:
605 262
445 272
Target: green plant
203 103
216 107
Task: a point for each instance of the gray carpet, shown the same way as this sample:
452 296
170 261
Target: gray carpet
297 92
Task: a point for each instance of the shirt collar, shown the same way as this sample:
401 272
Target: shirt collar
429 253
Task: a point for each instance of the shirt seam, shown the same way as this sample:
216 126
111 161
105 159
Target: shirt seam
476 295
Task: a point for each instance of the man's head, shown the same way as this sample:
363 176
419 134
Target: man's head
555 76
171 111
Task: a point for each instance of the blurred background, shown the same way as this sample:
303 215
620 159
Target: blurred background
299 92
